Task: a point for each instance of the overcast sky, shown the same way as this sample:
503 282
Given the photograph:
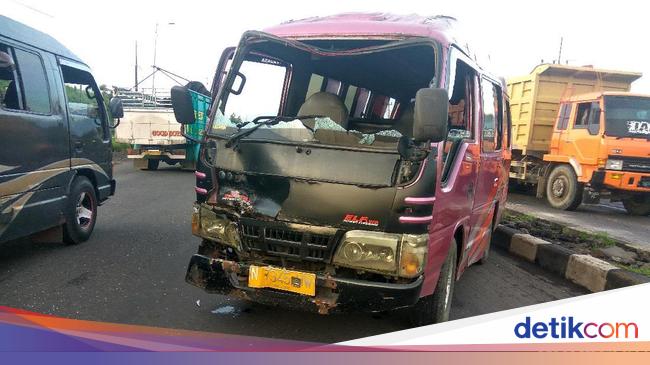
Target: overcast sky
515 35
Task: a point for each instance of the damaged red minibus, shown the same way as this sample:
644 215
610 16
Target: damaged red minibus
351 162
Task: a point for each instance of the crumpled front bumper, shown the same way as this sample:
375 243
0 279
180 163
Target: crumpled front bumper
332 294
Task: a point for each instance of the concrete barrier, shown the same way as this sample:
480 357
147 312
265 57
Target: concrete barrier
587 271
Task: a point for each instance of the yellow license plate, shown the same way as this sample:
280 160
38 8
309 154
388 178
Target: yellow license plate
281 279
153 153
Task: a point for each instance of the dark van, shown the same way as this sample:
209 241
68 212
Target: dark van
56 155
351 162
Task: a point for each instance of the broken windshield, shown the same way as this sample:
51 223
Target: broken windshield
340 98
324 130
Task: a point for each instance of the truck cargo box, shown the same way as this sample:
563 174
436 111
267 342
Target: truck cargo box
149 127
535 99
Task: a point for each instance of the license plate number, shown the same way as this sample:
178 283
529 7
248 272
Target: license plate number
281 279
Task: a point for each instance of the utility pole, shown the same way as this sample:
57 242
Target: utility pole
136 66
155 46
559 56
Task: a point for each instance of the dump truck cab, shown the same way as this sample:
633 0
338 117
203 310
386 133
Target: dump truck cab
351 162
605 138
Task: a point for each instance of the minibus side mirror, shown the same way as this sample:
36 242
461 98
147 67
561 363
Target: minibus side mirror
430 117
182 104
116 108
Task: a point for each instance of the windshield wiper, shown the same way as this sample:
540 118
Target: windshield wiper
262 121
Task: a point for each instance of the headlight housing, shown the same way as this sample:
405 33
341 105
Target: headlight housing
614 165
413 254
372 251
383 253
210 225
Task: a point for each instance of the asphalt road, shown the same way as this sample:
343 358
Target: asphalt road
132 271
607 217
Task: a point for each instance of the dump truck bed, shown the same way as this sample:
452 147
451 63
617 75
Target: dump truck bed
535 99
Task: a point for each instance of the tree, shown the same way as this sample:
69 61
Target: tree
235 119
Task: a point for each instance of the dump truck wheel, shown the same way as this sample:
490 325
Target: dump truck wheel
563 191
637 205
153 164
81 211
435 308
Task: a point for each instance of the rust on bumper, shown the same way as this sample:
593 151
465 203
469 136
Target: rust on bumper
332 294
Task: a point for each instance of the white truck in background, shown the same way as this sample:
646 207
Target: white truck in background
151 130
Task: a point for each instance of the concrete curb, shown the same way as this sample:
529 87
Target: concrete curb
587 271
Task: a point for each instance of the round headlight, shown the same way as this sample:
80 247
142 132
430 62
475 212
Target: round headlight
352 251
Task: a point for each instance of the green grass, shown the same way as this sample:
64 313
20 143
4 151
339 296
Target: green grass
118 146
518 217
638 270
600 240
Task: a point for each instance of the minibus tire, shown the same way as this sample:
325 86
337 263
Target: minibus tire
563 181
435 308
78 228
637 205
152 164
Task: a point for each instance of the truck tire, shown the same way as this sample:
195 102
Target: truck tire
637 205
152 165
81 211
563 191
435 308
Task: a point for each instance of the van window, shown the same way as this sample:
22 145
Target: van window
32 74
382 107
315 85
23 85
333 86
565 114
84 99
507 123
491 130
461 114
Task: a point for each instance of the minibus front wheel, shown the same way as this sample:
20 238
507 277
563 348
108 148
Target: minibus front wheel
435 308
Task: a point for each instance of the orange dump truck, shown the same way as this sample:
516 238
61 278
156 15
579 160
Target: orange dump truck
578 134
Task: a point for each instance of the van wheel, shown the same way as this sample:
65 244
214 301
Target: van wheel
435 308
153 164
637 205
563 191
81 211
